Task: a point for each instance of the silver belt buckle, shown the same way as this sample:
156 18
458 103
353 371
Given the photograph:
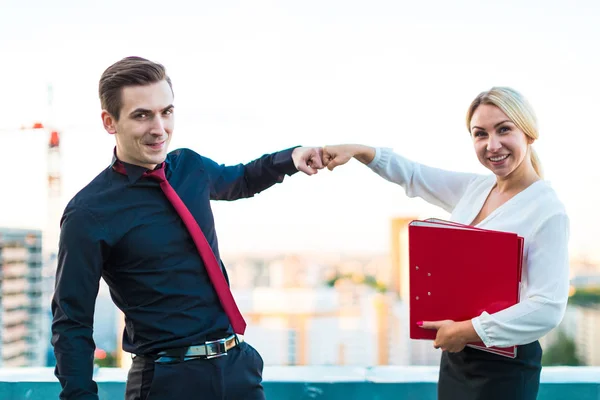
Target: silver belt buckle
216 348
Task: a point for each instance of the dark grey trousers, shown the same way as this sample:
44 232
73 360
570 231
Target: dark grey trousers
238 375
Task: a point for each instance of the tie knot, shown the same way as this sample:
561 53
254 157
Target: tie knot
157 174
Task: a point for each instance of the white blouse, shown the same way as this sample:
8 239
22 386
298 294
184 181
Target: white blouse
535 213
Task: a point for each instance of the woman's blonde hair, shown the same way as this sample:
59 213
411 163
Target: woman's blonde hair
517 108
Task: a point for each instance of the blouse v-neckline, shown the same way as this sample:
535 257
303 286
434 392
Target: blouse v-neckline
497 210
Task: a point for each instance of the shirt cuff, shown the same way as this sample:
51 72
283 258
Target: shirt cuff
283 161
478 326
381 159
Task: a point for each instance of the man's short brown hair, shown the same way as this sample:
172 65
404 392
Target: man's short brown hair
130 71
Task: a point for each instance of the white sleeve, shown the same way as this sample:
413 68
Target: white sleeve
544 305
436 186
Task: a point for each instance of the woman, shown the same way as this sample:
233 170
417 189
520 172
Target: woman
513 198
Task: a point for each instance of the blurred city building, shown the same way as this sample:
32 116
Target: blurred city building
23 341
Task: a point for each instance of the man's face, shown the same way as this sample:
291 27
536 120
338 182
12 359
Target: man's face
144 129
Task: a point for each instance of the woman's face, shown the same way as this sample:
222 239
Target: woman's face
500 146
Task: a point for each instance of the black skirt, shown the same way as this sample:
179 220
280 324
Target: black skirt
478 375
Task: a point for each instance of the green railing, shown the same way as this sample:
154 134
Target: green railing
315 382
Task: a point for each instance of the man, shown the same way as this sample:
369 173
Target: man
145 225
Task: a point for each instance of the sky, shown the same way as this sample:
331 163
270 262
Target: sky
256 77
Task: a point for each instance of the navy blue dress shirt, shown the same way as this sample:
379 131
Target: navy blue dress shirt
122 228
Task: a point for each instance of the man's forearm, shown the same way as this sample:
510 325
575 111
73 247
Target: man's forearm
245 180
74 350
76 385
268 170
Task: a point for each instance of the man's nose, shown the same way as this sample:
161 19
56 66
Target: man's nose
158 126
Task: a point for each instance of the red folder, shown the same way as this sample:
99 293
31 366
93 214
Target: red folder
458 271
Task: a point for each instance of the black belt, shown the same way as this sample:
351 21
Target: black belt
209 349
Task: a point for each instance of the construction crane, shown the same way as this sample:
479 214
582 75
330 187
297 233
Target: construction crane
53 164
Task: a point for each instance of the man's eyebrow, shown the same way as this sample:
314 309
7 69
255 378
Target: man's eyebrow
140 111
146 111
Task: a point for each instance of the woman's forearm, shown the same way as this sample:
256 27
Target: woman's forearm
364 154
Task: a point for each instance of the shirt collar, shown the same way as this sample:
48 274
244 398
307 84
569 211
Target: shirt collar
134 172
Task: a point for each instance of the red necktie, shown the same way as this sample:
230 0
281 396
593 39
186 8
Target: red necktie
210 261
